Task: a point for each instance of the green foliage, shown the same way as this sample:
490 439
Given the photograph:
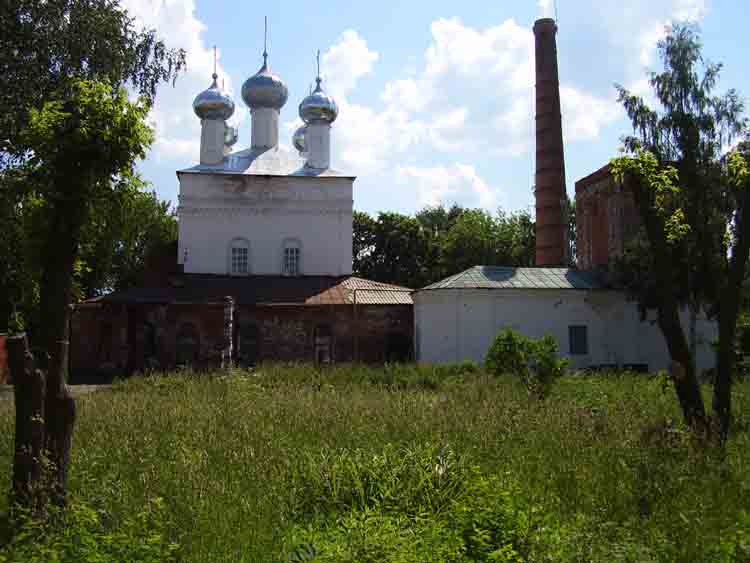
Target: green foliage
81 533
51 55
534 361
407 506
438 242
88 128
45 44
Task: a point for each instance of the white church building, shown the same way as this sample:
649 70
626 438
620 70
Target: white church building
263 265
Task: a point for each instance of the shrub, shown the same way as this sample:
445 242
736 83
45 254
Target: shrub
79 533
534 362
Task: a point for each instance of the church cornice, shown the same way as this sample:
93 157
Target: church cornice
194 211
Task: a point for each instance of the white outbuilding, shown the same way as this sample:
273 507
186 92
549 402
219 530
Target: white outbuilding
457 318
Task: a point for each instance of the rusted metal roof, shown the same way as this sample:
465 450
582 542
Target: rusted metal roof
367 292
503 277
265 290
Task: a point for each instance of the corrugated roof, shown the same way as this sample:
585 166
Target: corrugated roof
505 277
370 292
265 290
277 161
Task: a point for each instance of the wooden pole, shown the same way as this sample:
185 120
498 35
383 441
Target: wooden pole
29 392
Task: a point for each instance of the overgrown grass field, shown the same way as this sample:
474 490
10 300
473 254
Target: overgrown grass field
401 464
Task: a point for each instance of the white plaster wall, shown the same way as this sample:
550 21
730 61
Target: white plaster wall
455 325
214 209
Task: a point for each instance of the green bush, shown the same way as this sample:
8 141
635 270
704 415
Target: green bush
534 362
80 533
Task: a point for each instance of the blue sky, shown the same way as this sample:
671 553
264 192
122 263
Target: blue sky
435 98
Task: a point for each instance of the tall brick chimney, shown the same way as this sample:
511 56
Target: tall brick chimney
551 226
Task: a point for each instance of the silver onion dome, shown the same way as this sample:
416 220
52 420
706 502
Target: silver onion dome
213 103
318 107
298 139
264 89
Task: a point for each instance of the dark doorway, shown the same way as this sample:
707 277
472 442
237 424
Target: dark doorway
150 349
188 345
323 345
397 347
247 345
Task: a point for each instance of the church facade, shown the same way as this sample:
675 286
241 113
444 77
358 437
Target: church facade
263 264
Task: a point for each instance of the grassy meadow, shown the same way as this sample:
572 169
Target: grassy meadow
403 464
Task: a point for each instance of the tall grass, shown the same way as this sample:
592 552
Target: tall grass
249 463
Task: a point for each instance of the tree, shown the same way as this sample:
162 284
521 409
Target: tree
81 144
117 243
439 242
45 43
390 249
475 238
43 46
692 202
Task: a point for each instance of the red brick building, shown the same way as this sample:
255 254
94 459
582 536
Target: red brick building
308 318
606 218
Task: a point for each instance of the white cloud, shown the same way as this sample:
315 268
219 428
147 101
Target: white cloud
584 115
689 10
455 183
346 62
177 128
473 94
445 130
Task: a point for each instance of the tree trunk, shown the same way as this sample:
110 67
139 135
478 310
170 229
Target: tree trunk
56 291
29 433
729 309
683 369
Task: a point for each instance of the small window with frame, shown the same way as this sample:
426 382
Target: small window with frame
579 341
239 257
291 265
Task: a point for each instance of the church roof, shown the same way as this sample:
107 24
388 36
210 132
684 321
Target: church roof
277 161
507 277
264 290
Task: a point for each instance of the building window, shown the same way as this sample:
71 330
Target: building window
579 340
292 258
239 257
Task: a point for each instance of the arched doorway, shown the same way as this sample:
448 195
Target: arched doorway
188 345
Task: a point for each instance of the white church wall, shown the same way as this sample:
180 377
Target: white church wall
455 325
265 210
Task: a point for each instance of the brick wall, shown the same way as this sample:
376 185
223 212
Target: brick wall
112 340
606 218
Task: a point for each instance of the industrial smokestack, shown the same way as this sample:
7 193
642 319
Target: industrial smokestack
551 226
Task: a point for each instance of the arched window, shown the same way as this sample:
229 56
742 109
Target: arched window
292 258
188 344
238 258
